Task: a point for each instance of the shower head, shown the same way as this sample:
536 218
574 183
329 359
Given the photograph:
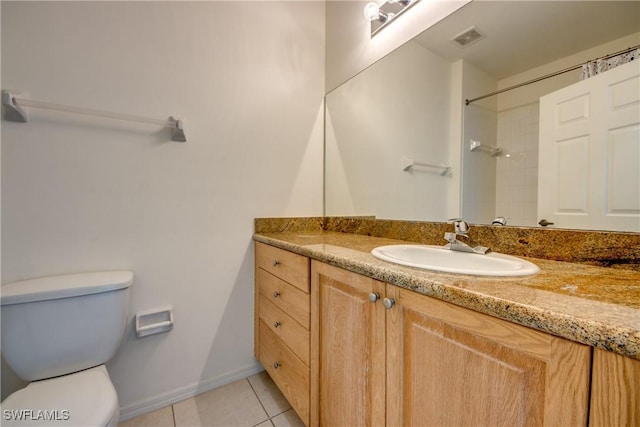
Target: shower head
177 130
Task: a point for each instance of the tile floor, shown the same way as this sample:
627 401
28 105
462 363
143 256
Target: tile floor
252 402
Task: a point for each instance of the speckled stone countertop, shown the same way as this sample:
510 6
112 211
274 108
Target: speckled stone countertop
597 306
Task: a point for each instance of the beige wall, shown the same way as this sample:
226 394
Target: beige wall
83 194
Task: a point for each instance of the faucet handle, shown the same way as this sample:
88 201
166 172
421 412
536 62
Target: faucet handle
460 225
499 221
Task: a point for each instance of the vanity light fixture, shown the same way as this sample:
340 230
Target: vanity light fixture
381 15
372 13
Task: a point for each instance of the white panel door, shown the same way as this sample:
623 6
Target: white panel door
589 164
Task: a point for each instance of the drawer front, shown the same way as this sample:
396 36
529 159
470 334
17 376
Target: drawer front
289 299
290 267
288 330
289 373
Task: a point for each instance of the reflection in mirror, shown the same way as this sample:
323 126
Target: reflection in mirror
410 105
397 109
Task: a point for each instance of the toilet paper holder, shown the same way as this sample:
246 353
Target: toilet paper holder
154 321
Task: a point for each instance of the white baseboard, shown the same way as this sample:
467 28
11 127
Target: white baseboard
166 399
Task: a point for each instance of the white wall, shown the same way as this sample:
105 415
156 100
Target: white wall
456 129
84 194
479 167
398 108
350 47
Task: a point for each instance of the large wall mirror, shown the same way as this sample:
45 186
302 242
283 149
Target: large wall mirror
399 137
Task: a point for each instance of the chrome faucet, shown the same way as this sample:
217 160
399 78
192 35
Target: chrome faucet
461 228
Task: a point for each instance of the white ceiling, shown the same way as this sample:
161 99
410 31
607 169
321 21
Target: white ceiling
521 35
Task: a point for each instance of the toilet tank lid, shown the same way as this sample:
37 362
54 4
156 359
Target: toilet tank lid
64 286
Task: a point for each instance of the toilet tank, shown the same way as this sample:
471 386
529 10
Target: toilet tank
57 325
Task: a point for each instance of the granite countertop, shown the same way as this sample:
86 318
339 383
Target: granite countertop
597 306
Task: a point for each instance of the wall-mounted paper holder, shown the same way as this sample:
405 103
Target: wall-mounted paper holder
154 321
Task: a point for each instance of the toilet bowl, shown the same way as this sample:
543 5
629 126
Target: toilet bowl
58 332
85 398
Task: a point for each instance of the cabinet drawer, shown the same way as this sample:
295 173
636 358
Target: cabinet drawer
288 330
289 373
290 267
289 299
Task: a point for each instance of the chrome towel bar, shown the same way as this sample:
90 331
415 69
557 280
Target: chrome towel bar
407 164
15 111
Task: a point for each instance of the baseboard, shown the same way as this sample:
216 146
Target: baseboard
166 399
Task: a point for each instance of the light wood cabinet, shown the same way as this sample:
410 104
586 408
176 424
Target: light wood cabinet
450 366
282 319
346 349
615 390
429 363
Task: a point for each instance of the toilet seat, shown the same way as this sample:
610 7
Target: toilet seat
85 398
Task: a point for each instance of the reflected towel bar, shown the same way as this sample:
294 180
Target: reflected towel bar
407 164
15 111
478 146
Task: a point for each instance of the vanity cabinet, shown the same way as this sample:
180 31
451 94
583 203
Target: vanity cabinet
615 390
346 349
282 320
383 355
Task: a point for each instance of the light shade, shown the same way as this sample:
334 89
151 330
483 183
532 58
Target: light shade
381 15
372 11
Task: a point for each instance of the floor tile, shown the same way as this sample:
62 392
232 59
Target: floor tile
234 404
265 424
288 419
162 417
270 396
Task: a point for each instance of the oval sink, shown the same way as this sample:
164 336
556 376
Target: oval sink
437 258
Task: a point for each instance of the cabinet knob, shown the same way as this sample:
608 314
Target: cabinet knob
276 324
373 297
388 303
276 263
276 365
276 294
544 223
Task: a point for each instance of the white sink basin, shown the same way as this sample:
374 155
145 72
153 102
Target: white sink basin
438 258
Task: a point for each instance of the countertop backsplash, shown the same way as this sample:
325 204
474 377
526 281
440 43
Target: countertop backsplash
600 248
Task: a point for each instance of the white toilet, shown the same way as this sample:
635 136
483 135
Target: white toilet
58 332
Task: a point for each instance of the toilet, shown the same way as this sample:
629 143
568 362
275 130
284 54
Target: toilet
58 332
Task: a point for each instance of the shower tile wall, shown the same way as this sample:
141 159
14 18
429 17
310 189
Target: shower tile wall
517 168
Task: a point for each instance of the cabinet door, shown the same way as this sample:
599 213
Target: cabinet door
615 390
449 366
348 354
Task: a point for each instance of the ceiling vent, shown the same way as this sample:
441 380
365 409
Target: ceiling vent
468 37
